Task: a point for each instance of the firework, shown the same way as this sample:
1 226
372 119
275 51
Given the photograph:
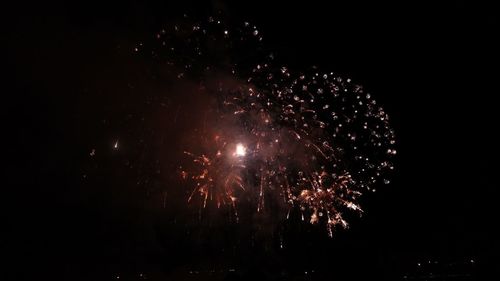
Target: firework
314 140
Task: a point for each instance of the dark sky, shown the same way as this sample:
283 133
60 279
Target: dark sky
434 67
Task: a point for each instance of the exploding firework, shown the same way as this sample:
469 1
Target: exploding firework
312 140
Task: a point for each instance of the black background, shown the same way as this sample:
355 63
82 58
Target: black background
433 66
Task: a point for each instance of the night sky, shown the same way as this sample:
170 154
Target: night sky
74 84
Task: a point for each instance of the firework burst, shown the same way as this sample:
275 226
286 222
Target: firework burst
314 139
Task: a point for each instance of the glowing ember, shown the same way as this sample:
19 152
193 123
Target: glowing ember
240 150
